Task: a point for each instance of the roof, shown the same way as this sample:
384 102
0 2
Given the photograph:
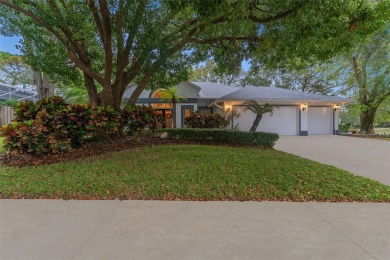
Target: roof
277 94
210 90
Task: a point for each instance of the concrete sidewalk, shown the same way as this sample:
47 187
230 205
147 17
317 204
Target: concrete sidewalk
55 229
362 156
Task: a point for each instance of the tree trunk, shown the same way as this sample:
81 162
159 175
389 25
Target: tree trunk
174 113
93 95
256 123
44 88
367 120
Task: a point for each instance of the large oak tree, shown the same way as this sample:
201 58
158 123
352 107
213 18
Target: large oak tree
116 43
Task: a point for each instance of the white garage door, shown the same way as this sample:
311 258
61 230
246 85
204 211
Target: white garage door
284 121
320 120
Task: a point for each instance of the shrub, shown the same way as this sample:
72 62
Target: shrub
137 118
198 120
344 128
232 137
107 120
72 123
25 137
28 110
51 125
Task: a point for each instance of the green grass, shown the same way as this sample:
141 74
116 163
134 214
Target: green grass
191 172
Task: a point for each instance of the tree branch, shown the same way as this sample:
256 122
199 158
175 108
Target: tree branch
278 16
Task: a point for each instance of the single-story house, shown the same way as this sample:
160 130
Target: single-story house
299 113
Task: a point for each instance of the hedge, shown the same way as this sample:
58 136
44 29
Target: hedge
226 136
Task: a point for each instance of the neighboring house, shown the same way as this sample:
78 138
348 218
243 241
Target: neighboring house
299 113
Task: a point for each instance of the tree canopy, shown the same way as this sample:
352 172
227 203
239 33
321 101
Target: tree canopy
368 70
115 43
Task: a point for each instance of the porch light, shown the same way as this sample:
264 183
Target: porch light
336 107
304 107
228 108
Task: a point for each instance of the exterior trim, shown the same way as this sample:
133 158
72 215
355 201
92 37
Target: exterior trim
157 100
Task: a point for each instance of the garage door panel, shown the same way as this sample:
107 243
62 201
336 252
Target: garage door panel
320 120
284 121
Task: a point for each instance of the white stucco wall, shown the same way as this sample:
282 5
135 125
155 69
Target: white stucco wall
187 90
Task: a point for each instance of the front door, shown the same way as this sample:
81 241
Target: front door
167 118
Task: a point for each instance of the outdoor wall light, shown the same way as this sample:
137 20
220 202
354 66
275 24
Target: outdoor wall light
304 107
228 108
336 107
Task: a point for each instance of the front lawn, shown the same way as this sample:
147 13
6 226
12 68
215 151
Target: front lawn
190 172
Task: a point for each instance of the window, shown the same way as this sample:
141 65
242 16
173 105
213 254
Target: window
205 110
187 112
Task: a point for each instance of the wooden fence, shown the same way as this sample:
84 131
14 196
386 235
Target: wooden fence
6 115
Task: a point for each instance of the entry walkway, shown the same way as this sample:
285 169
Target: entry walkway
57 229
361 156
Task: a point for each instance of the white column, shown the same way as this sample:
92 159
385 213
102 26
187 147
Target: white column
303 127
336 121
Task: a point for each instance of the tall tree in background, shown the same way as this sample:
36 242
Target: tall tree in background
315 78
118 43
239 78
14 71
369 81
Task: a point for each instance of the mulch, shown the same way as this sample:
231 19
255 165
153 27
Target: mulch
93 149
378 136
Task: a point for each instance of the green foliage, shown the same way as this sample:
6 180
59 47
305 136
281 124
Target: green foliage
368 79
344 128
14 70
171 94
52 126
106 119
25 137
9 103
224 136
28 110
138 118
199 120
71 123
117 50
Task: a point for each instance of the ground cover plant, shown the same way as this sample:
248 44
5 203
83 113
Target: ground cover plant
191 172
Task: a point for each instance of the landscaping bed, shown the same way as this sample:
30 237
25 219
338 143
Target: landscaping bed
371 136
189 172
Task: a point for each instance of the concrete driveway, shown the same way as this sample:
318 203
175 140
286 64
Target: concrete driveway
57 229
362 156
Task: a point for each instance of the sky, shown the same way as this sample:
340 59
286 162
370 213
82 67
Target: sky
7 44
